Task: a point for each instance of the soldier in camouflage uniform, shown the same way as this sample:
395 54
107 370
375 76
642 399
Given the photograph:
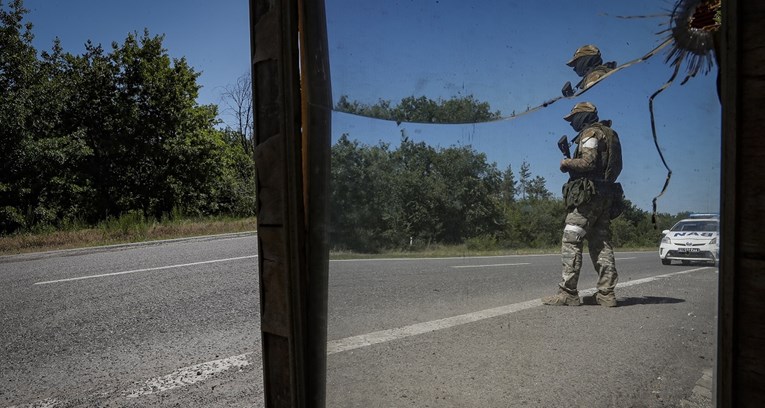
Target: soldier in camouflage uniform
589 196
588 64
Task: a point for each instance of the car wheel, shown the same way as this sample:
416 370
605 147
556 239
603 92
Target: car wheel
666 261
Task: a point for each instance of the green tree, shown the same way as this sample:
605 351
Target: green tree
411 109
536 189
419 192
18 65
93 110
422 109
237 186
380 110
473 205
635 228
362 212
413 195
534 224
525 179
101 134
509 186
465 110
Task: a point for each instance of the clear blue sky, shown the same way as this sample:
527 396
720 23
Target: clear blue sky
509 53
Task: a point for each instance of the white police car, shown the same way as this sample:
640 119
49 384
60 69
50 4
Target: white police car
694 239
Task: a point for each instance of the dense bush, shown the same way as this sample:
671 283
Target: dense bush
415 196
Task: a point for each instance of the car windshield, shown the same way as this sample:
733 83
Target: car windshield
696 226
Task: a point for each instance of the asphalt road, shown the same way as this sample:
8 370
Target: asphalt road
176 324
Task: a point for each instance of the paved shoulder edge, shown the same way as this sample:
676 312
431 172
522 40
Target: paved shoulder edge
117 247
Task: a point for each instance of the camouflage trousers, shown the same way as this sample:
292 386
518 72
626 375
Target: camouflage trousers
589 221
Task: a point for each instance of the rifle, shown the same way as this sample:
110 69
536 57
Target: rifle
564 146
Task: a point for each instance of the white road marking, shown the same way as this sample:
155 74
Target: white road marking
384 336
489 266
621 259
200 372
234 238
146 270
655 278
188 375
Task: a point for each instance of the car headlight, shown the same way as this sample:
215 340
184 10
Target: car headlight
713 241
666 240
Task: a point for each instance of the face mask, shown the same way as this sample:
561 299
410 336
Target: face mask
580 120
584 64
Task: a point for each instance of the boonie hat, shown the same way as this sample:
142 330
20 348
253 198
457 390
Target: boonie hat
581 107
583 51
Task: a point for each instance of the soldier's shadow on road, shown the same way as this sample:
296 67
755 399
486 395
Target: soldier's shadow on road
642 300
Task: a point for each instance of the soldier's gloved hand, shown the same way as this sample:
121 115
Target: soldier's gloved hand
567 90
564 165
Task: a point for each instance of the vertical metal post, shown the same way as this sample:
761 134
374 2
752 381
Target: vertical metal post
291 100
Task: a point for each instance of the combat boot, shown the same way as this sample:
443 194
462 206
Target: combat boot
608 300
563 298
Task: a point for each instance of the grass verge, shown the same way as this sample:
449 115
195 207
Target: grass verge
121 231
130 229
440 252
453 251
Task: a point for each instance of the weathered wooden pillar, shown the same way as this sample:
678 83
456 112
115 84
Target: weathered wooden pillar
741 337
291 108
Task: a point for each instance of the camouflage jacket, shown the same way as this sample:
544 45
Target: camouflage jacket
598 154
593 75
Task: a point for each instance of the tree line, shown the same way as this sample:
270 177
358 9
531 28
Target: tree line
118 131
466 109
109 132
413 196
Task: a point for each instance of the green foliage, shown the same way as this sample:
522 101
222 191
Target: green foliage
525 179
536 189
634 227
131 223
423 110
509 186
416 197
482 243
103 134
533 223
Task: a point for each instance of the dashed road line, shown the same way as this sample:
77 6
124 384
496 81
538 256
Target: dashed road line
490 266
159 268
188 375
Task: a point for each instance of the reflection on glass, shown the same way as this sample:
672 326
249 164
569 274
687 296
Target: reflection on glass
444 148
